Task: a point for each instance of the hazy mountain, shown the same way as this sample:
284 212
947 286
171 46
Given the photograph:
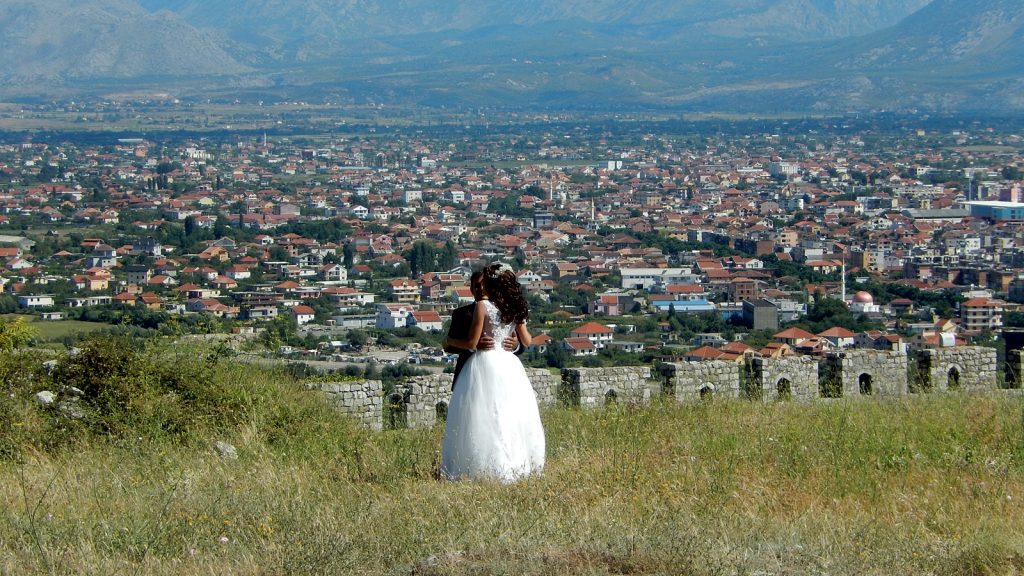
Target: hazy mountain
314 29
72 40
952 55
753 56
948 36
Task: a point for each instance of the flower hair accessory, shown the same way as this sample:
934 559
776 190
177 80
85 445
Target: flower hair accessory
498 269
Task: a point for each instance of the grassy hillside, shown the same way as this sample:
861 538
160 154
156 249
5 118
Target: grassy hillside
920 485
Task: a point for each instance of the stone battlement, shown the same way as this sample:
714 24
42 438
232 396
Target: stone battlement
422 401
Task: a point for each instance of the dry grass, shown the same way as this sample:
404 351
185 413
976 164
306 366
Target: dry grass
919 486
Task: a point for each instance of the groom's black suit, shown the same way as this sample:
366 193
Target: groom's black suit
462 321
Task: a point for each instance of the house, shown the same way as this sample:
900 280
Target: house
703 353
102 256
36 301
333 273
392 315
238 272
814 346
761 314
562 270
648 278
980 314
792 336
404 291
540 344
579 347
426 320
150 300
92 283
631 347
303 314
743 288
776 350
260 312
598 334
839 337
82 302
529 280
138 274
223 283
346 297
612 304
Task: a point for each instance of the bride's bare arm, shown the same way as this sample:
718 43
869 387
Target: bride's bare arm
524 335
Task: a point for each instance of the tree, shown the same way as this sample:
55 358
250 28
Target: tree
348 255
16 334
357 339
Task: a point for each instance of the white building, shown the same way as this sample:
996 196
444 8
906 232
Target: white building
647 278
36 301
393 315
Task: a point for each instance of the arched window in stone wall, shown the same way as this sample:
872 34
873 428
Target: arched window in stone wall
953 378
611 396
395 415
441 411
784 389
707 391
668 386
864 381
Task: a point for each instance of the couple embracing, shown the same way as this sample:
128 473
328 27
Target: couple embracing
493 429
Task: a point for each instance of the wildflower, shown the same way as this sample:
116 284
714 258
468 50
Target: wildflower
223 540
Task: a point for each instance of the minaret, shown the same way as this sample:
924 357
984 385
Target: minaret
843 295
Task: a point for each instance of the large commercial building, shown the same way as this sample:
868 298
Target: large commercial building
999 211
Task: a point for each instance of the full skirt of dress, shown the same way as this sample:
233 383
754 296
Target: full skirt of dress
493 429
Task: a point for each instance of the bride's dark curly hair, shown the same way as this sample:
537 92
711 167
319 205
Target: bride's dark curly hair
504 290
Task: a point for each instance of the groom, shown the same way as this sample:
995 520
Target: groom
462 319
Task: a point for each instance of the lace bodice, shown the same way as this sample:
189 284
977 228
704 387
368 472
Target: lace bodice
494 327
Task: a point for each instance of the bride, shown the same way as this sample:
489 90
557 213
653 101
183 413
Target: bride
493 429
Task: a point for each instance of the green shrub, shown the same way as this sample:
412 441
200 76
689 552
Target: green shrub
155 392
22 374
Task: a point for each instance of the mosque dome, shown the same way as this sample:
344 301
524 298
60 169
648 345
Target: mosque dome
863 297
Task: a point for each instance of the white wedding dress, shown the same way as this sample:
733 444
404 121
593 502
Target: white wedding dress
493 429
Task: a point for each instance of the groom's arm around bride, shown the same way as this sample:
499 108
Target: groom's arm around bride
462 319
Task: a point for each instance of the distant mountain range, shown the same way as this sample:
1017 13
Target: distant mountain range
749 56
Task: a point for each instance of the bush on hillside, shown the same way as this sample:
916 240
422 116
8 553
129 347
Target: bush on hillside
22 374
118 390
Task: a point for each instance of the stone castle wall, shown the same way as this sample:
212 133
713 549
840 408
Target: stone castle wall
545 385
362 400
865 373
425 399
692 381
422 401
795 377
963 367
590 387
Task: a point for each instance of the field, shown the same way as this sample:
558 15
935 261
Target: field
54 331
921 485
